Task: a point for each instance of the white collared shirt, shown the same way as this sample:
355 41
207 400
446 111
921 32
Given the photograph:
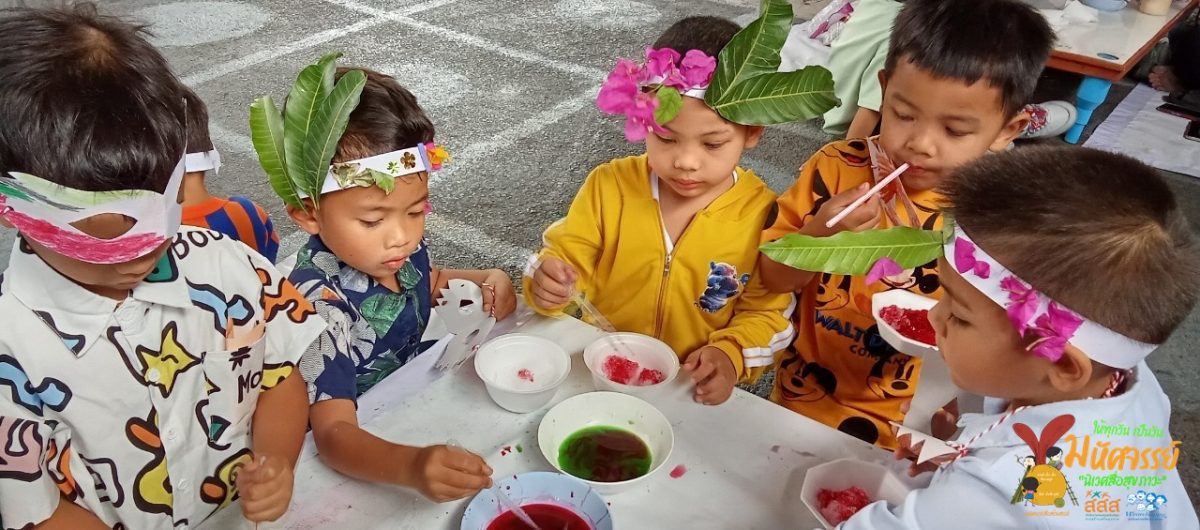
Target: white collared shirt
139 410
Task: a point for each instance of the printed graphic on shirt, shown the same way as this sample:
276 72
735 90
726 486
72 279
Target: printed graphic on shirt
214 425
73 342
280 295
104 479
723 284
165 271
159 367
59 465
152 488
220 488
187 240
211 299
1043 483
20 449
51 393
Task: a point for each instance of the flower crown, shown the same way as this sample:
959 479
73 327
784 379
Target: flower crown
1034 315
295 146
742 84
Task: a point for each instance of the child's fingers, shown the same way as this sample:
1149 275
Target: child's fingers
467 462
703 371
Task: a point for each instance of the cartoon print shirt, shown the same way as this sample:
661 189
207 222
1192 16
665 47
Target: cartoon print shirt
702 289
372 330
840 371
140 411
1113 468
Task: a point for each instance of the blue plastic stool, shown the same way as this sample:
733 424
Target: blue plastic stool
1092 92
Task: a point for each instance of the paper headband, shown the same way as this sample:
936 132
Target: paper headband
44 212
742 84
206 161
383 170
1036 315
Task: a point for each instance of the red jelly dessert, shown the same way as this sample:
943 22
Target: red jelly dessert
651 377
621 369
839 505
547 516
911 323
525 374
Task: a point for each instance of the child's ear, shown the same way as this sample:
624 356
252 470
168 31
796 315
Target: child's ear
1072 373
753 135
305 218
1009 132
882 80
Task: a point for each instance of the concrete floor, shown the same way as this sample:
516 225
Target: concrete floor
510 85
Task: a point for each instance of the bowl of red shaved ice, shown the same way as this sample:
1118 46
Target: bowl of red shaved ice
631 363
835 491
903 319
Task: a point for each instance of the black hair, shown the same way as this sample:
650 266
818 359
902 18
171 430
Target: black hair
707 34
1004 42
1053 451
1098 232
198 139
386 119
86 101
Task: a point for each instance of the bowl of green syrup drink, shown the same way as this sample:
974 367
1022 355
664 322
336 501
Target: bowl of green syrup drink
609 440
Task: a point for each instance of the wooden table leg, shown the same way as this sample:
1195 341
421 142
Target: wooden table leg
1092 92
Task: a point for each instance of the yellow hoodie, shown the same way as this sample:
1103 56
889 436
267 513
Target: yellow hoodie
704 291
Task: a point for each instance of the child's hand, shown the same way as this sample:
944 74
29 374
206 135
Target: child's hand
864 217
553 283
499 297
713 373
906 450
265 487
444 474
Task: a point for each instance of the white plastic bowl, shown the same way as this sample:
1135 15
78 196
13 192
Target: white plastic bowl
905 300
1106 5
539 487
649 352
612 409
499 362
877 481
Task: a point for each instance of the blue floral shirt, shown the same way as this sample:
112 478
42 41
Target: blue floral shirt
372 331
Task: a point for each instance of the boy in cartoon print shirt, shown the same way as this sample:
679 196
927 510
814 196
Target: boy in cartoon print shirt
935 119
147 372
665 244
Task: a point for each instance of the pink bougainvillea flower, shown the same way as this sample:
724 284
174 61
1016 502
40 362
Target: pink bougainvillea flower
883 268
639 119
964 259
662 62
1054 328
617 95
697 69
1022 302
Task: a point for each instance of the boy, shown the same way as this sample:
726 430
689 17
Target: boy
136 358
236 217
366 269
1084 277
954 84
665 244
855 59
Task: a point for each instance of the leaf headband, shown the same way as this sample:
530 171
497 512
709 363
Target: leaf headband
742 84
1034 315
295 146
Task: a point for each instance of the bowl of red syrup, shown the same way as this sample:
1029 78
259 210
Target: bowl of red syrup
903 319
554 501
631 363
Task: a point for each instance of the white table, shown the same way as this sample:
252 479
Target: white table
746 459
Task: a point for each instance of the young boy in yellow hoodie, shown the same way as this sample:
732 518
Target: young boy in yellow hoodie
665 243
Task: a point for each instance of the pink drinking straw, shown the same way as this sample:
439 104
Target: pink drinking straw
859 201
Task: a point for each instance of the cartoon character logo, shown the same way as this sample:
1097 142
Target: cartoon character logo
723 284
220 488
809 382
1043 483
1145 501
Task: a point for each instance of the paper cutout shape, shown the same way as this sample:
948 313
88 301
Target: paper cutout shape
931 447
460 314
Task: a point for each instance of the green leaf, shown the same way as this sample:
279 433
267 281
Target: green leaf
753 51
299 114
854 253
779 97
385 181
669 104
330 122
266 131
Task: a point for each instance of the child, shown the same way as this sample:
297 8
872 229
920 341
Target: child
954 85
236 217
856 57
665 243
1058 284
147 372
367 270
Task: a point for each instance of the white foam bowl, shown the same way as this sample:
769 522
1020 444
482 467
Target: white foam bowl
649 352
878 481
612 409
905 300
500 361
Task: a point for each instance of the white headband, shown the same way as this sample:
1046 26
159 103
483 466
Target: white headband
1035 314
366 172
696 92
207 161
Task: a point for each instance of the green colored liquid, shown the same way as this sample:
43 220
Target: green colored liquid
604 454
